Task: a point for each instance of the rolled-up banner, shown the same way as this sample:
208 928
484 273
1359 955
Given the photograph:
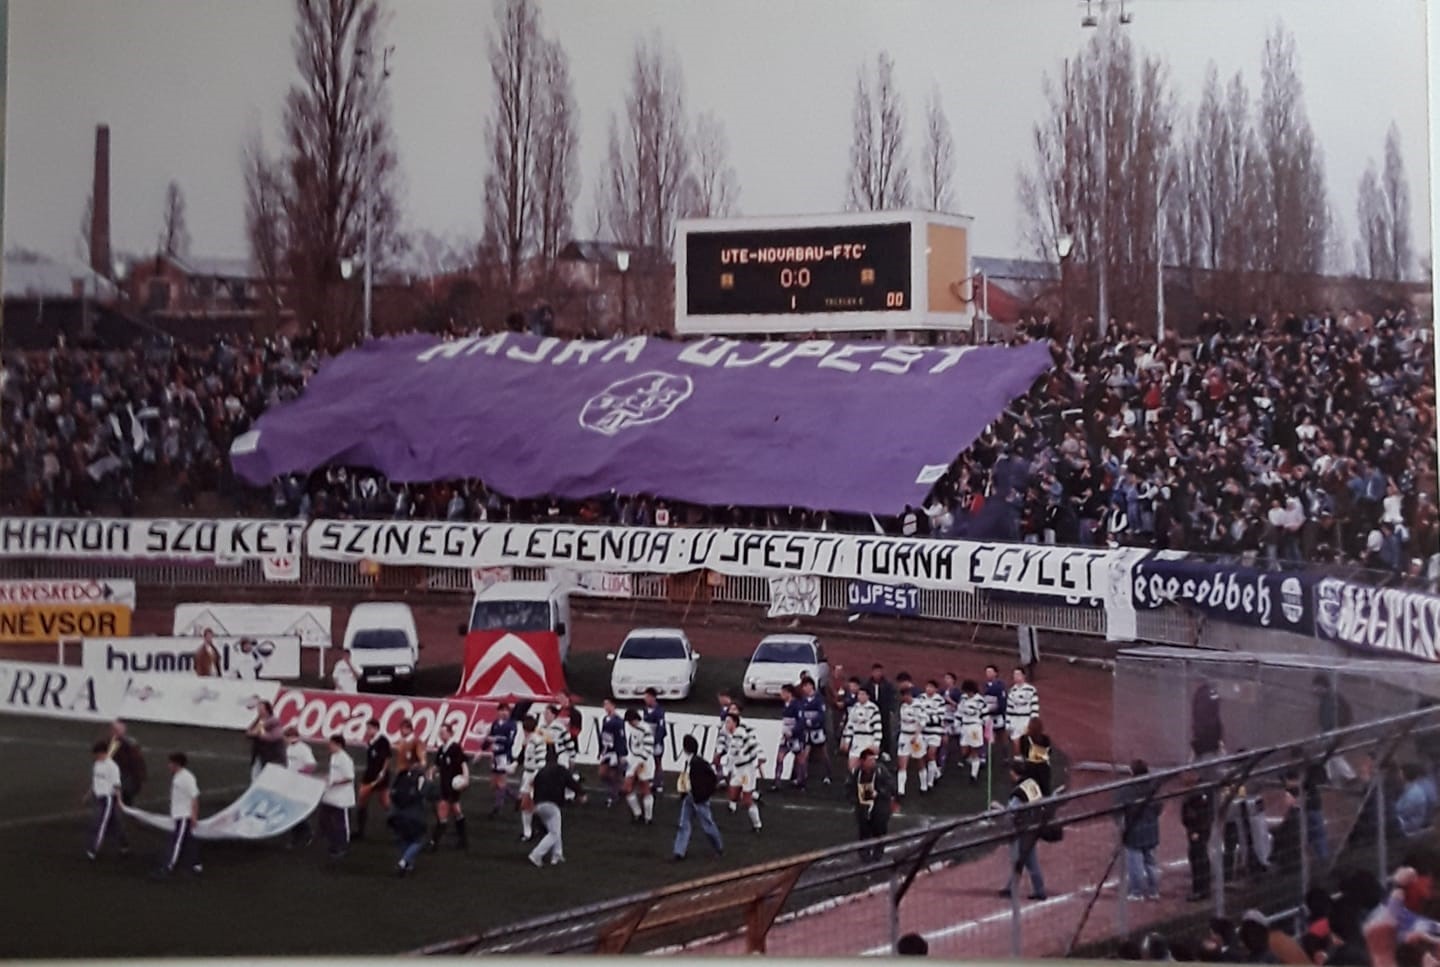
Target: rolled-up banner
276 802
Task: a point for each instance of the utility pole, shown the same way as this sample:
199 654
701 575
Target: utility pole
1102 319
366 184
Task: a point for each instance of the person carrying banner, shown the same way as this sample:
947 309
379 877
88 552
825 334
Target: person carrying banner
375 781
267 739
126 753
105 792
338 798
696 784
299 758
184 813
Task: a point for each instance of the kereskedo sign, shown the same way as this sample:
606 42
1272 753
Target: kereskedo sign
271 656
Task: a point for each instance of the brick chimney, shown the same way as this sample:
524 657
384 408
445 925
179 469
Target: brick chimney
100 198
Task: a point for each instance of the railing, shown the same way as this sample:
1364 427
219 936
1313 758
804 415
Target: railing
941 881
1169 625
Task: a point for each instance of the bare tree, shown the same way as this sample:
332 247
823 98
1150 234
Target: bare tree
649 156
1397 204
879 169
517 54
555 172
1058 195
174 235
1374 259
713 189
1296 222
335 117
937 157
266 228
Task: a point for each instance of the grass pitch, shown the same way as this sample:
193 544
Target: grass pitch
260 898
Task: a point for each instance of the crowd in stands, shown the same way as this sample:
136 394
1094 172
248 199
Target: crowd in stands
1298 437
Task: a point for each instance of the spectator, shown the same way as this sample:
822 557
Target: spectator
1197 814
1415 809
1255 939
1140 820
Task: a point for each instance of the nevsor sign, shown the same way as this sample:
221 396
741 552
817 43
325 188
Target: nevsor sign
865 597
1278 600
218 541
1378 619
269 656
806 424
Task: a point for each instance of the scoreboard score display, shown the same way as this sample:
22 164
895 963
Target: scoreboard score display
855 272
862 268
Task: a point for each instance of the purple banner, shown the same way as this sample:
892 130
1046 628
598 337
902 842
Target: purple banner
843 426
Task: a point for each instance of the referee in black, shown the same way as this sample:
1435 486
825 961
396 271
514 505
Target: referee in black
375 781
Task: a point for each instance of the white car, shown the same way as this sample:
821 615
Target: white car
658 658
784 660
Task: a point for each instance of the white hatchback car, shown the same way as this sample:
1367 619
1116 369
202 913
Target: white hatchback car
784 660
658 658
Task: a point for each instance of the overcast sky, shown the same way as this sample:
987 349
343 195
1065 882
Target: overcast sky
181 83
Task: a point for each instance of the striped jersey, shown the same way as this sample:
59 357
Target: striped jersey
744 747
934 706
1022 701
863 723
973 709
565 745
532 754
912 717
641 744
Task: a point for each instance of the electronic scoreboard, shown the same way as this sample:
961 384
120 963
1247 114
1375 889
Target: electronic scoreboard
862 271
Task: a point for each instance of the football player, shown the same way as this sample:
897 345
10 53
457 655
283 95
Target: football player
792 736
745 758
640 768
912 740
655 718
934 704
612 752
500 744
532 760
862 727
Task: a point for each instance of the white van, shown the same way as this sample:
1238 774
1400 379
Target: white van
383 644
523 606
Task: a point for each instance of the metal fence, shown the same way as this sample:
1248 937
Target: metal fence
1283 819
1168 625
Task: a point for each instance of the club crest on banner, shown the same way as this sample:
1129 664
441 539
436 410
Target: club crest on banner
635 401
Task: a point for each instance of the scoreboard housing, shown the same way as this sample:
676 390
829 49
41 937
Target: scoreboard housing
864 271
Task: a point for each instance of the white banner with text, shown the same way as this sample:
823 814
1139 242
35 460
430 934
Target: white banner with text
308 622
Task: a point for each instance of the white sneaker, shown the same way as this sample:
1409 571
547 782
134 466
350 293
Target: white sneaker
536 861
556 860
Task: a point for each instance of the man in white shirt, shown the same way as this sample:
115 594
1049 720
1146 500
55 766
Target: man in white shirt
299 758
105 791
338 798
344 676
245 661
185 813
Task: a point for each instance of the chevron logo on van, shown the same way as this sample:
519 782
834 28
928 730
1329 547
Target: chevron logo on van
506 664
